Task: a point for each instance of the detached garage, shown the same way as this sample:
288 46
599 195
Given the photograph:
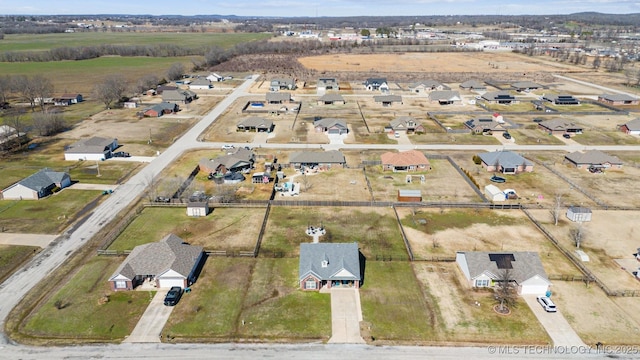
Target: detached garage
494 193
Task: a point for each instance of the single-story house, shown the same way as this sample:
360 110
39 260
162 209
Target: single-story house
618 99
484 125
168 262
325 84
493 193
474 85
331 126
560 126
95 148
485 269
278 84
506 162
197 208
255 123
317 159
239 160
200 84
373 84
408 195
179 96
411 160
67 99
278 97
43 183
388 100
329 265
499 97
214 77
162 88
10 136
426 86
525 86
160 109
632 127
561 99
593 159
331 99
406 124
578 214
445 97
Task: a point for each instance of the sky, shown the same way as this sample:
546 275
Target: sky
313 8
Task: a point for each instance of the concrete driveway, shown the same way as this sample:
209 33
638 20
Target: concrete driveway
346 315
152 322
554 324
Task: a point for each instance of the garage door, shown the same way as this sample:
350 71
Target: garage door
334 131
534 289
169 282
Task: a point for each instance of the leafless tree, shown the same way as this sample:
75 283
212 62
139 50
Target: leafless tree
556 208
152 187
176 71
5 89
578 234
48 123
33 89
505 290
306 182
146 82
13 140
110 90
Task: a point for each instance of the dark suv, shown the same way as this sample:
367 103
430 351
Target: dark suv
173 296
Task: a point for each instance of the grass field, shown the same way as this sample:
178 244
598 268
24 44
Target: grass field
12 256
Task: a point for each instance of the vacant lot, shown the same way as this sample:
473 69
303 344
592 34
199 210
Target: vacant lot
12 256
436 233
336 184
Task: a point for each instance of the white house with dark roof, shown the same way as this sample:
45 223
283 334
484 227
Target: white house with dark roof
166 263
38 185
373 84
593 159
506 162
329 265
95 148
484 269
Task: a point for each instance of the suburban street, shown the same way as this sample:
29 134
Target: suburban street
19 284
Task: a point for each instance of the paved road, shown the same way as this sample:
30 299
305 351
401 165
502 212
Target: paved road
554 323
346 315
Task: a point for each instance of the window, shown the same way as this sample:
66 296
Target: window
121 284
482 283
310 284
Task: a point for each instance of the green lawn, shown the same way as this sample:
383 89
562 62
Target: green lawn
534 137
12 256
439 221
46 216
79 311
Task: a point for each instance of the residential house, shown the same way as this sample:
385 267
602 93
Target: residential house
506 162
525 86
618 99
213 77
374 84
561 99
278 97
632 127
426 86
160 109
162 88
200 84
10 136
328 265
445 97
178 96
485 125
499 97
317 159
95 148
278 84
473 85
560 126
43 183
579 214
67 99
404 124
331 99
388 100
411 160
327 84
486 270
593 159
239 160
166 263
331 126
256 124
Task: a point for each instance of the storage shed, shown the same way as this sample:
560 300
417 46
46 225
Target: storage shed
409 196
494 193
578 214
198 208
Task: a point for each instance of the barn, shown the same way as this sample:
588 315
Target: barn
409 196
578 214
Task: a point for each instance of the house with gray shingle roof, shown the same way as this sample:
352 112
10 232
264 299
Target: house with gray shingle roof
36 186
278 97
525 85
499 97
632 127
388 100
325 84
405 124
445 97
560 126
593 159
255 123
506 162
317 159
561 99
329 265
426 86
484 125
618 99
331 99
331 126
160 109
94 148
473 85
166 263
277 84
239 160
485 269
179 96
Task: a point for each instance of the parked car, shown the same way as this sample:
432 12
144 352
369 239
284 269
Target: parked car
506 135
547 304
121 154
538 120
173 296
227 147
162 199
566 136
